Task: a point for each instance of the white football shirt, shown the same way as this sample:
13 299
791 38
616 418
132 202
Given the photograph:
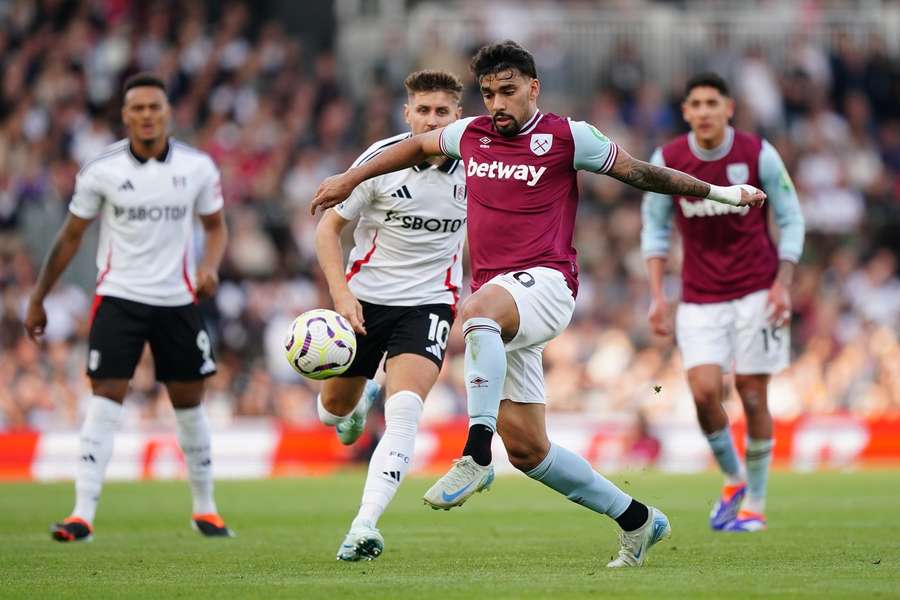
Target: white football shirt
408 242
146 211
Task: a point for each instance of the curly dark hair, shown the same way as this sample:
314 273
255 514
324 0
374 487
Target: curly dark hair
503 56
713 80
433 81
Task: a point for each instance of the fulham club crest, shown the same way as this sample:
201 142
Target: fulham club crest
541 143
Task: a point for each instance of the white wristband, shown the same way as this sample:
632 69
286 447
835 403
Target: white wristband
726 195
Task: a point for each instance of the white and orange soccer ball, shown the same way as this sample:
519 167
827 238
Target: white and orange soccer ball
320 344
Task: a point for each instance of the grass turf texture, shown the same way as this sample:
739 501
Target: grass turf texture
831 535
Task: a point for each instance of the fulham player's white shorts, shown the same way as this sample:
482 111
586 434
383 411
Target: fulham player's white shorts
545 306
735 335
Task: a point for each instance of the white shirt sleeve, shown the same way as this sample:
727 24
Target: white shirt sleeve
210 198
594 151
358 199
451 136
88 197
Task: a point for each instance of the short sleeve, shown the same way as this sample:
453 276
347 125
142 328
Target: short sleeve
210 198
88 198
594 151
358 199
451 137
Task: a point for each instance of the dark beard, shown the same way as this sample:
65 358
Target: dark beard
511 130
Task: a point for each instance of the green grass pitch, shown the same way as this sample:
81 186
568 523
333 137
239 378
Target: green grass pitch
831 535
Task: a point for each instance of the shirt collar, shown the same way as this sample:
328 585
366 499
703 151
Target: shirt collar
161 157
717 153
531 123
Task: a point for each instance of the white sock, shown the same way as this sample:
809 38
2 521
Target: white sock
194 439
95 450
326 417
485 370
393 455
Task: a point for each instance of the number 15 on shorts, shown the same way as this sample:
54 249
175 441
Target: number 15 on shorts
772 338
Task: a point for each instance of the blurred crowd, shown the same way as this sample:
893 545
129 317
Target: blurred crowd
276 116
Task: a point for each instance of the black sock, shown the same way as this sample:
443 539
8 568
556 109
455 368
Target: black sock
634 517
478 444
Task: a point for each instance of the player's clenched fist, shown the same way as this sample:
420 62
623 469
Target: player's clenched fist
750 196
349 307
207 282
659 317
35 319
332 192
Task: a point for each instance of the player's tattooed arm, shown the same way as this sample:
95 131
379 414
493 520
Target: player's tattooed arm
652 178
663 180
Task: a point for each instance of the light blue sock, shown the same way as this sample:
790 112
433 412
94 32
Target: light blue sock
723 449
572 476
759 456
485 370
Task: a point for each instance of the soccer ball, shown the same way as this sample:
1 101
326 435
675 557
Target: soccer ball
320 344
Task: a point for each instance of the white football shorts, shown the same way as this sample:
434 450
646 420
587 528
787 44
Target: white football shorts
735 335
545 306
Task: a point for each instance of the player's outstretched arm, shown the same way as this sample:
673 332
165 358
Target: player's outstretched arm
401 155
663 180
64 248
214 242
331 260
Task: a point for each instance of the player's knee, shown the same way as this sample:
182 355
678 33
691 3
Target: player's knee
112 389
331 405
474 308
707 395
753 396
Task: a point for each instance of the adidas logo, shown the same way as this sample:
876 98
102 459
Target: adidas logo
126 186
89 458
395 475
402 193
436 350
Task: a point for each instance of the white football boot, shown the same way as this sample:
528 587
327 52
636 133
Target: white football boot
362 542
464 479
636 544
349 430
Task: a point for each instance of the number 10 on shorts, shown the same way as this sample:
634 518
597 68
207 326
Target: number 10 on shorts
438 332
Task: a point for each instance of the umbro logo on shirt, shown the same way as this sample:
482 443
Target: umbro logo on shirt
402 193
126 186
